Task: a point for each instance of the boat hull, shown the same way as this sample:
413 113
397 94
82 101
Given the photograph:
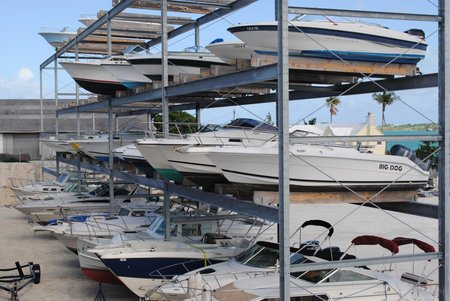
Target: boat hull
348 41
319 168
179 63
142 274
93 77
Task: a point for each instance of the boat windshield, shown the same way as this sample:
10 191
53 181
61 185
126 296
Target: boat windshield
333 275
196 49
62 178
251 124
209 128
265 255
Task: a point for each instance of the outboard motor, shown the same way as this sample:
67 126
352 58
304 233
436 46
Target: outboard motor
416 32
403 151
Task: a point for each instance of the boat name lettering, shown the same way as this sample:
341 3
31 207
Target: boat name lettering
389 167
301 151
249 28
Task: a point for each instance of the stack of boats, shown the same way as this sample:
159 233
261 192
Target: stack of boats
223 255
244 152
350 41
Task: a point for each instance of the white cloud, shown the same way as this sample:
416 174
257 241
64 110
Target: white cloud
22 85
25 74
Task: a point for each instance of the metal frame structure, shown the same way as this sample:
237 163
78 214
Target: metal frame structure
279 72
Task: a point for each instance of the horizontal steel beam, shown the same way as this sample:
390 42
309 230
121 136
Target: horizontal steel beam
413 208
373 138
311 92
239 206
363 14
364 261
89 30
217 14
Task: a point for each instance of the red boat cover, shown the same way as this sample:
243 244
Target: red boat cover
427 248
376 240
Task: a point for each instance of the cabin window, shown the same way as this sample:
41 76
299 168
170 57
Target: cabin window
346 275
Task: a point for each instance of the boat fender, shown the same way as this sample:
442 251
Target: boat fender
194 285
206 292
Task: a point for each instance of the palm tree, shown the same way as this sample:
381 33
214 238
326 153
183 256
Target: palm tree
332 103
386 98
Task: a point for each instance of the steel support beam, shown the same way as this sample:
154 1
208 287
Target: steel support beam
381 138
89 30
239 206
444 159
283 148
413 208
364 261
362 14
217 14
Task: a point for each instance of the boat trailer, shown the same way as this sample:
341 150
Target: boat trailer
12 283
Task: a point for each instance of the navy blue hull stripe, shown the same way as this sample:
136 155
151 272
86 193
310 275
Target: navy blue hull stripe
155 268
335 33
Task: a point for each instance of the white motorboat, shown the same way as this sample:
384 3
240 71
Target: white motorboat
58 38
57 185
253 275
130 153
230 51
92 266
57 145
125 73
92 77
128 219
105 76
188 61
144 264
316 167
162 154
60 205
97 146
333 40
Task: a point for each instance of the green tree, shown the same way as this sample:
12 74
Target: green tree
384 99
332 103
425 149
179 122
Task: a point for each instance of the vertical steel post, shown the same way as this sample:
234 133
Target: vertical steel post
197 36
165 68
165 106
444 158
77 96
283 147
41 98
56 100
78 172
197 115
108 30
110 165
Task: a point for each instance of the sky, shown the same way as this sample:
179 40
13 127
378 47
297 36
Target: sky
24 50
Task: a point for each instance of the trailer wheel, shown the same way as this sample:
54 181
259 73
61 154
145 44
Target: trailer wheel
37 273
